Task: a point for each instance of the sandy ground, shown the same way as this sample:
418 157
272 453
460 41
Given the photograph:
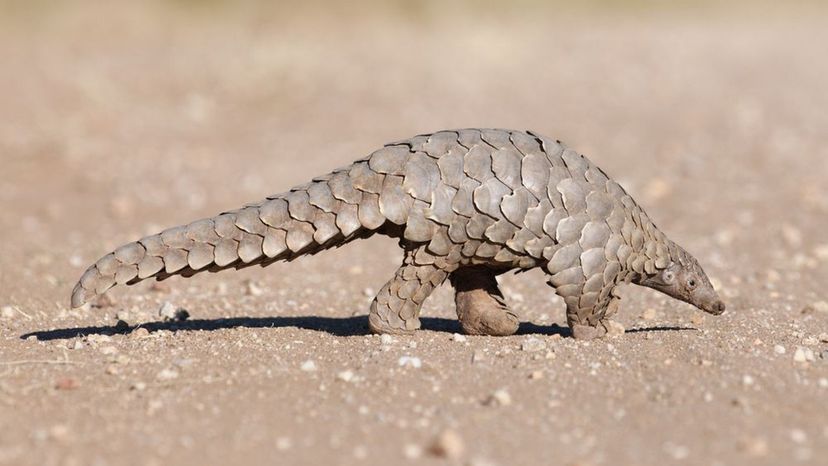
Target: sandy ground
116 122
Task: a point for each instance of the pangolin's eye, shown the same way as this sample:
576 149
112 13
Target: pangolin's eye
691 283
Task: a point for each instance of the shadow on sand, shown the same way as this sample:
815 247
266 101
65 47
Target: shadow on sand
338 326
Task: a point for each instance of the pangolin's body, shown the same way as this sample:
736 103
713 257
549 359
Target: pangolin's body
466 205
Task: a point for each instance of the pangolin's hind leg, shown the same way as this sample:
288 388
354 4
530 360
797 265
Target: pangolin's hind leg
396 309
481 308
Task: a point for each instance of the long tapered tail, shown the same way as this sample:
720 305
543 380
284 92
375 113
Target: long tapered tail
329 211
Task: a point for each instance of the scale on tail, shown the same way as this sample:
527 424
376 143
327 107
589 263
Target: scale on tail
466 205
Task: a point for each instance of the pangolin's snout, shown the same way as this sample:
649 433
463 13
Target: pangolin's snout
717 308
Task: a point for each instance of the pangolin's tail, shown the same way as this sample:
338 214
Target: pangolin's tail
329 211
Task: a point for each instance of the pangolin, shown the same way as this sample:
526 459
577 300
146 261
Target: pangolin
466 205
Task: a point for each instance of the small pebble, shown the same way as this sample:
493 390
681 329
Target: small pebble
183 363
657 188
167 374
792 235
360 452
138 386
76 261
410 361
308 366
412 451
747 380
755 447
799 436
803 354
345 376
170 313
459 338
486 462
499 398
368 292
448 444
824 355
7 312
479 356
252 288
66 383
678 452
386 339
283 443
532 344
779 349
60 432
820 306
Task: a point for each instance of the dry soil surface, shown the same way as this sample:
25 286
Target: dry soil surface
118 121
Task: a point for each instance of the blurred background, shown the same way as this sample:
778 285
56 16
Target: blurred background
120 118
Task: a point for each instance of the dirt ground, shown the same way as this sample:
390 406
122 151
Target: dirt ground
117 121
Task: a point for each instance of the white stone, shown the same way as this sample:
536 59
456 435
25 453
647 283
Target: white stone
532 344
410 361
283 443
803 354
167 374
500 398
7 312
345 376
799 436
448 444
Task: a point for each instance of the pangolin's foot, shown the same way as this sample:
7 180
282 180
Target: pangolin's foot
377 325
391 314
605 328
481 307
488 320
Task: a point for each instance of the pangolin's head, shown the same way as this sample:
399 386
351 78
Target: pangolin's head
684 279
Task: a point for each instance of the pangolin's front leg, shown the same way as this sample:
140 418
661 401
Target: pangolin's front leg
481 308
396 308
594 323
589 291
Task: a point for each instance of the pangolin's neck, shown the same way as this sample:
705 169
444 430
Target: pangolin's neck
651 249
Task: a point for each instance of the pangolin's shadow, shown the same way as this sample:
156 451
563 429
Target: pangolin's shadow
338 326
